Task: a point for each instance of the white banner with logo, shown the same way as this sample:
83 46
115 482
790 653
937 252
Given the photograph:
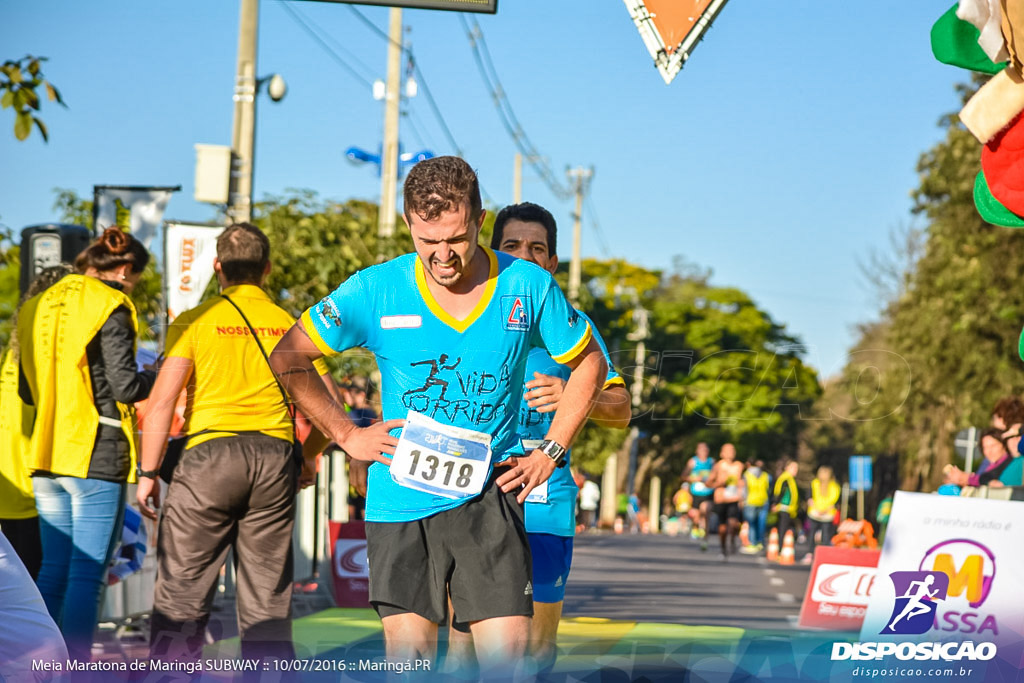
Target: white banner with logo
951 569
146 205
188 264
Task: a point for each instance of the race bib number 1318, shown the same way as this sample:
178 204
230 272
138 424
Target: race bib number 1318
440 459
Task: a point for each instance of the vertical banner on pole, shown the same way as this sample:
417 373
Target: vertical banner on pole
188 264
145 204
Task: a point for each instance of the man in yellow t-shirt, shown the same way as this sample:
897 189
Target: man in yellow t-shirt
235 484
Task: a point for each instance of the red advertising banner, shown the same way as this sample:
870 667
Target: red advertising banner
348 564
839 588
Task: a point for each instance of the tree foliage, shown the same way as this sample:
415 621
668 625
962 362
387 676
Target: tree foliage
945 349
21 87
716 367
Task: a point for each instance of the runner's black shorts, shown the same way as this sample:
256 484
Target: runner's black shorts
478 551
727 511
699 500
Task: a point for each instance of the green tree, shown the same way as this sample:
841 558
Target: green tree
10 263
21 85
716 367
945 348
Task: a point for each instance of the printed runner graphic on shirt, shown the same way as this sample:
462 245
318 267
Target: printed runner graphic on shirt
449 389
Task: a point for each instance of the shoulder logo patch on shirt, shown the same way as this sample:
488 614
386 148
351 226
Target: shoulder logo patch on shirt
515 312
400 322
574 317
329 314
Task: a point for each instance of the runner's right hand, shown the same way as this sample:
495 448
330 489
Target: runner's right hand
371 443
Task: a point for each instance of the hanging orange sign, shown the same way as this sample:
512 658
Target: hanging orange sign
671 29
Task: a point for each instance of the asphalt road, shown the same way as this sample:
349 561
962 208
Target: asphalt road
659 578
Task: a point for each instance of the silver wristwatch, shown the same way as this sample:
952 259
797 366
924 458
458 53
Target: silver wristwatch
553 450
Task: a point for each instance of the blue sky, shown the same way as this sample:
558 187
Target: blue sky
782 154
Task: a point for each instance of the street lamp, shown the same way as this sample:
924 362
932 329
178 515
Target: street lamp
406 160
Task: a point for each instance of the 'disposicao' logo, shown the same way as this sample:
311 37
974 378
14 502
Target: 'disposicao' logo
916 593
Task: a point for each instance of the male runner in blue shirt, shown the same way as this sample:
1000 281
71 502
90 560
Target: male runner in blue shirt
529 232
451 327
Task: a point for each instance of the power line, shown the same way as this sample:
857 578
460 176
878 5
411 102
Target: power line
327 48
373 27
433 104
485 65
596 225
410 119
422 81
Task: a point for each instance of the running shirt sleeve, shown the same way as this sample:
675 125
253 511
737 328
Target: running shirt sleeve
341 320
613 378
179 338
562 330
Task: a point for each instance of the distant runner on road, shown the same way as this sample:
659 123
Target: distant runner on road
698 469
727 481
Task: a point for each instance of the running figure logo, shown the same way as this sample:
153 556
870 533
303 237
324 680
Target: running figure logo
436 366
916 593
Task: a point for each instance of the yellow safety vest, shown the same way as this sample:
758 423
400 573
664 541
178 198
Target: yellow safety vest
757 488
823 503
16 498
54 329
786 480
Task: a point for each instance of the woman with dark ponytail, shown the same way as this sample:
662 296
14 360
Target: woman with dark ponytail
77 342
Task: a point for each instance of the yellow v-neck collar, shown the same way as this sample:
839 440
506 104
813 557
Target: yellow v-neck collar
481 306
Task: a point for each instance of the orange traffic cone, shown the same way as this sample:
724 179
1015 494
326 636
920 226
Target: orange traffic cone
788 554
773 545
745 534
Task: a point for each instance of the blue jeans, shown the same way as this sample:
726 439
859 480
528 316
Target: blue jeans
757 518
80 525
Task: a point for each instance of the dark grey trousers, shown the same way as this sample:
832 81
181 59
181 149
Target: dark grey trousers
231 492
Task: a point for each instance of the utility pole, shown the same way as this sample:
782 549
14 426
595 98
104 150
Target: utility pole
579 178
517 180
243 128
389 154
639 335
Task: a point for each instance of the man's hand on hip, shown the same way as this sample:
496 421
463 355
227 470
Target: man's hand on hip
373 443
529 472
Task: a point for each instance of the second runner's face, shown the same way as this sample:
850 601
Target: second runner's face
446 246
528 240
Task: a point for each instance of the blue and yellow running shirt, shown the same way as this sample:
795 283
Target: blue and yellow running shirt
558 515
465 373
701 469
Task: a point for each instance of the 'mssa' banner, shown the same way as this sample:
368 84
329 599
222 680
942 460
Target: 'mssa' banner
950 572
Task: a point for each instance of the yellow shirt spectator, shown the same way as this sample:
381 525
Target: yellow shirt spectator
247 398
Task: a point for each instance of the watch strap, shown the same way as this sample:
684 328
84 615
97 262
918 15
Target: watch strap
148 474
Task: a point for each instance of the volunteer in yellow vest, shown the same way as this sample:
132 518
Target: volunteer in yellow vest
785 499
235 484
19 520
755 507
821 509
77 342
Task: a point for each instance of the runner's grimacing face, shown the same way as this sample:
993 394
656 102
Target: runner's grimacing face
446 246
528 240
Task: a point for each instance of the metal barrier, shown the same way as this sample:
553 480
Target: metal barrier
315 506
